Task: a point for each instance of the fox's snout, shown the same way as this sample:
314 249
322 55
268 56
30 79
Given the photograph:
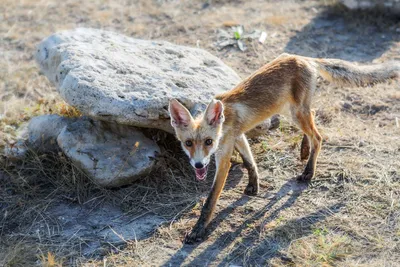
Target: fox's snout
199 162
198 165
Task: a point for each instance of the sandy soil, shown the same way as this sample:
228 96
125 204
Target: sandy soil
348 216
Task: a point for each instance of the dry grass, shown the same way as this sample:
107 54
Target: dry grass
348 216
30 187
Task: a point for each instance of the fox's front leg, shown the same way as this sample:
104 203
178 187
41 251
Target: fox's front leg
243 147
222 159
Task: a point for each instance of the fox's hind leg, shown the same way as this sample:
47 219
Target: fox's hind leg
305 148
305 119
305 144
242 146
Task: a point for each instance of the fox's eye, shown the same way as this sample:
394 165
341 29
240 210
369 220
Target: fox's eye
188 143
208 142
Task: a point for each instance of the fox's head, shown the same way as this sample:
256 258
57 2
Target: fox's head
200 136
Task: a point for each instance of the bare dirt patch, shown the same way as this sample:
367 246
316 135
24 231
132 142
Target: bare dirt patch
348 216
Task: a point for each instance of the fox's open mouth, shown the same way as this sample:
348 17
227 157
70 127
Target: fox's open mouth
201 174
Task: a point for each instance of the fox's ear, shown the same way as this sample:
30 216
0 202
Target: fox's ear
180 116
215 113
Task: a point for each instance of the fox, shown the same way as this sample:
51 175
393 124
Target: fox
287 80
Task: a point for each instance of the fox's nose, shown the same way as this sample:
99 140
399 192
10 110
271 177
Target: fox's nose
199 165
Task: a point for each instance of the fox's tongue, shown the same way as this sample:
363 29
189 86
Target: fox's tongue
201 173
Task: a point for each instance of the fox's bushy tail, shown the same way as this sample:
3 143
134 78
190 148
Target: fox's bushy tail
347 73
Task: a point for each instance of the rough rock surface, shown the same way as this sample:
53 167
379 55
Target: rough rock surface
44 130
111 154
112 77
392 6
39 135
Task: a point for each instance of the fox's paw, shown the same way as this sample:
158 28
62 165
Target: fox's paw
196 235
305 177
251 189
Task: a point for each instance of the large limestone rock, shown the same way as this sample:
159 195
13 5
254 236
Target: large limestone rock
112 77
112 155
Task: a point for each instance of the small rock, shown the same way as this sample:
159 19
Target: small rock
44 130
111 155
347 105
275 122
361 143
268 125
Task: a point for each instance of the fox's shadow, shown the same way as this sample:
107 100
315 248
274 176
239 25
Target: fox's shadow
291 189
